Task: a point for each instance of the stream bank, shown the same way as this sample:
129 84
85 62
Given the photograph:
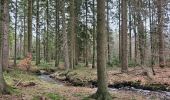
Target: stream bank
153 90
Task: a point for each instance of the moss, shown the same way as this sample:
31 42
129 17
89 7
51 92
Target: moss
53 96
10 90
102 96
36 98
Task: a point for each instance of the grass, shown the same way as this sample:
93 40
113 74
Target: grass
53 96
18 75
35 92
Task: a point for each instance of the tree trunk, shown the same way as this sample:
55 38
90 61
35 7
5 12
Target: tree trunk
160 33
151 37
56 35
94 35
25 33
65 40
86 29
120 31
5 28
4 45
140 32
102 92
37 36
73 34
108 36
15 50
124 59
47 38
29 26
130 31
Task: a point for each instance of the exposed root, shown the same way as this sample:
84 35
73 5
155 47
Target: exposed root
101 96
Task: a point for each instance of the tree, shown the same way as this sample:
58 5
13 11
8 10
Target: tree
4 44
160 33
108 35
124 58
65 40
5 28
57 34
141 34
130 30
94 35
15 51
47 38
37 36
29 26
86 36
25 32
72 32
102 92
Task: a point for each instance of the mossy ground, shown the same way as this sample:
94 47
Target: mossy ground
50 91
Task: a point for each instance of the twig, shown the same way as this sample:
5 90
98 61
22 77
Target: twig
18 82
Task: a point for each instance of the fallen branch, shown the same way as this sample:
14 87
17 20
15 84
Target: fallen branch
18 83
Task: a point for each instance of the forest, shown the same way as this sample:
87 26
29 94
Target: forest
84 49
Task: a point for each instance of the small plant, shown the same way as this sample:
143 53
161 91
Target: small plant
53 96
25 64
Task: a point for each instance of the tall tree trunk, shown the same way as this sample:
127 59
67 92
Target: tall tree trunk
94 35
160 33
4 44
73 34
130 31
65 40
108 36
120 31
56 35
25 33
141 32
86 29
102 92
135 36
15 50
47 38
124 59
29 26
37 36
151 37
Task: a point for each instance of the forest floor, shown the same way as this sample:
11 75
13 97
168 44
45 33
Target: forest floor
27 86
80 83
84 76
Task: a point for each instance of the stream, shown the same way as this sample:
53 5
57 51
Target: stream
162 95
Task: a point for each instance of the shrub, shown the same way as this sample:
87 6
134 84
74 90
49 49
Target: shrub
25 64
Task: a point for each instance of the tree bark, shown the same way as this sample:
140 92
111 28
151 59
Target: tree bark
65 40
160 33
4 44
47 38
25 33
130 31
73 34
29 26
5 28
57 34
37 36
124 58
15 50
108 36
94 35
102 92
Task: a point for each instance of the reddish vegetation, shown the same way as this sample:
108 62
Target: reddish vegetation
25 64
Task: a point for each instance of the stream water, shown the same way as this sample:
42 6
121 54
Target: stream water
162 95
47 78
